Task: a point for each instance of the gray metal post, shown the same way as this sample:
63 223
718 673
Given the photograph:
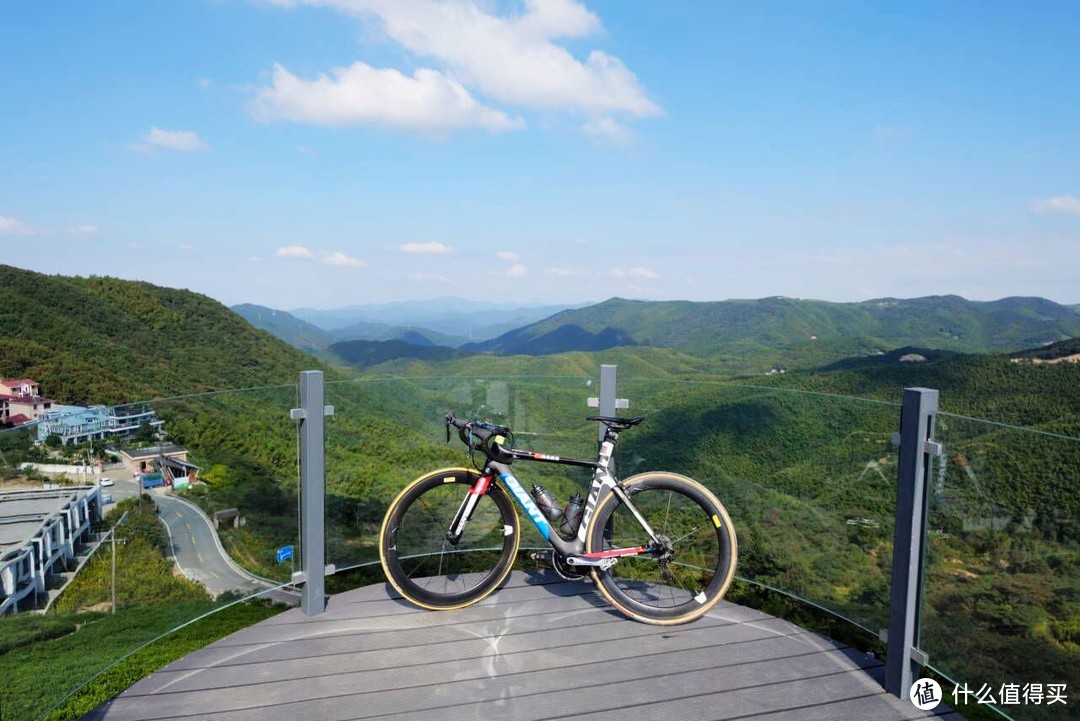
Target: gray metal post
916 449
608 381
312 492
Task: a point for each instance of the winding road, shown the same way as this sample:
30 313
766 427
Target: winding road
196 549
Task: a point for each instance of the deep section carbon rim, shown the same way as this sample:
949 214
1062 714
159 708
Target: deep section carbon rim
681 581
429 570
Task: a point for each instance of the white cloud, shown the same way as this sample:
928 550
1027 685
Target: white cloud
428 278
156 138
293 251
564 272
10 226
428 101
187 248
516 271
605 128
83 230
512 57
432 248
507 256
509 57
343 260
641 273
1068 204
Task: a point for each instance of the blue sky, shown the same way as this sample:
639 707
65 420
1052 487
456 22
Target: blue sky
324 153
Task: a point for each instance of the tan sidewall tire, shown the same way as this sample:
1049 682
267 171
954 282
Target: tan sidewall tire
602 510
472 474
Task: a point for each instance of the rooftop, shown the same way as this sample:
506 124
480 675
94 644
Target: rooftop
153 451
23 512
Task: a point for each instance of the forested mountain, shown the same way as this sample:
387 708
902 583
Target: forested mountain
104 340
762 327
371 331
991 386
1066 350
456 320
365 353
306 336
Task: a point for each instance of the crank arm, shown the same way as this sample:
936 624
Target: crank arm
602 563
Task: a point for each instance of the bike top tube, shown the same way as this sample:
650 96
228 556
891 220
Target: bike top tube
523 455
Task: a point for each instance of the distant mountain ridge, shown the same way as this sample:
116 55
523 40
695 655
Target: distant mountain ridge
468 320
747 326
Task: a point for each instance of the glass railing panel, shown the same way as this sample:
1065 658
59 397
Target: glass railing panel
136 521
385 433
1001 599
808 479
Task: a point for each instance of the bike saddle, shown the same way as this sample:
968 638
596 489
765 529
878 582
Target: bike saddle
619 424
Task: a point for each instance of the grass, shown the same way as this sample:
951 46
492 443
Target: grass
62 667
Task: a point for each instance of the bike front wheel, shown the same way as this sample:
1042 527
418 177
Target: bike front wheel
425 567
691 570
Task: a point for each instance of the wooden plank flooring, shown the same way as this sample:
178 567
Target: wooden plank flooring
540 648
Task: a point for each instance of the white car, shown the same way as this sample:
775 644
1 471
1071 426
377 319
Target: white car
105 482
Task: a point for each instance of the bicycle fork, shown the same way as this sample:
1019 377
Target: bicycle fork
465 510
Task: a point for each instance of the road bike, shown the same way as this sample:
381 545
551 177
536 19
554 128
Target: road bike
659 546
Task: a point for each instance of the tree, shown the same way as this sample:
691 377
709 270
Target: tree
145 434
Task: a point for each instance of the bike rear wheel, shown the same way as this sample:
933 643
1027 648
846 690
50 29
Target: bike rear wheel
423 565
693 572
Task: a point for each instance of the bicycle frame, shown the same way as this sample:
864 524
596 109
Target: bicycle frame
574 549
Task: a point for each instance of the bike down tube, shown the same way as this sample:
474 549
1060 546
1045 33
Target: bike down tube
566 548
576 546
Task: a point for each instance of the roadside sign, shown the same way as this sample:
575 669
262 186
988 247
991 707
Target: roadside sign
284 554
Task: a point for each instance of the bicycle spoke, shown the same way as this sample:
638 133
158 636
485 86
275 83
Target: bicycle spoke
430 570
679 579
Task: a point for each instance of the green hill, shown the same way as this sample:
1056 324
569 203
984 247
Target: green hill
299 333
991 386
1054 352
364 353
793 332
104 340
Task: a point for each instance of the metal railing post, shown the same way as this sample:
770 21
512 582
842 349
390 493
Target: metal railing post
311 414
609 375
909 552
608 402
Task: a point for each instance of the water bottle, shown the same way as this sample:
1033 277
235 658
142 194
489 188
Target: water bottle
572 515
548 505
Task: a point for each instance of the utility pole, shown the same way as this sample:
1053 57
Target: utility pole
112 534
113 531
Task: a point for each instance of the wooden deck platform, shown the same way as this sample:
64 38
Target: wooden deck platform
538 649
